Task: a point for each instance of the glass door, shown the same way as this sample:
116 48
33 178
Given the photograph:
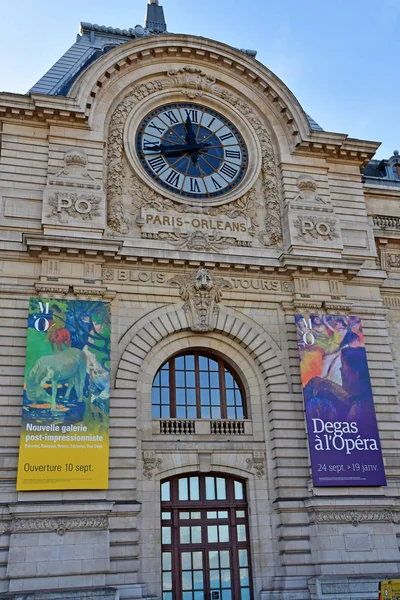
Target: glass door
205 545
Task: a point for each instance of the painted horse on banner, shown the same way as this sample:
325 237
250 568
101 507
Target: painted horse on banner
67 367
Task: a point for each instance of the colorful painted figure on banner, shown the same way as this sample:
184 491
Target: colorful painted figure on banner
68 363
335 373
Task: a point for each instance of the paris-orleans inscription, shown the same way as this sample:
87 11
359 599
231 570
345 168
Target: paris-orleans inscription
153 223
134 276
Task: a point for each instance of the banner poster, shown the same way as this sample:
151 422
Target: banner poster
66 397
341 422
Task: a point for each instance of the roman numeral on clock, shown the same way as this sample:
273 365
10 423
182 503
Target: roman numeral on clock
154 126
226 136
171 117
232 154
149 145
229 171
194 186
192 114
173 178
157 163
217 185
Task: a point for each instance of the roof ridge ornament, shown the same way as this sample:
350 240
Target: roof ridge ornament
154 20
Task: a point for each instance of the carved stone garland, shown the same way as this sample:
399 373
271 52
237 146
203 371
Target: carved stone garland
192 82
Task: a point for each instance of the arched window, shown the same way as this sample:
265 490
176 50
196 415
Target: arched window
196 385
205 539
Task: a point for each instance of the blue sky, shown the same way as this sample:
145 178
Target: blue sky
340 58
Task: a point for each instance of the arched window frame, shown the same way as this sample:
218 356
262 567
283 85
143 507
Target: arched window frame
240 409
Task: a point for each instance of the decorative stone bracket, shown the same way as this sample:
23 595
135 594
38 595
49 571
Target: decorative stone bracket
257 463
201 292
150 462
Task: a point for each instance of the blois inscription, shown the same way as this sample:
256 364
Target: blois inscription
138 277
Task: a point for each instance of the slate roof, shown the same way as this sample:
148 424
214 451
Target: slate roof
93 41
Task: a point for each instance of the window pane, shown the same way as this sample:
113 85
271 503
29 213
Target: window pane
231 413
197 560
241 533
222 514
166 516
165 377
205 396
205 412
156 412
189 362
211 514
215 412
166 535
212 533
166 561
243 558
215 397
190 379
194 488
198 580
167 581
226 578
239 494
180 363
213 559
214 380
240 514
239 413
223 533
180 379
210 488
195 515
226 594
245 594
196 535
192 412
165 412
155 395
181 412
228 380
186 561
221 488
156 381
164 396
203 363
213 365
187 580
165 491
244 577
230 397
180 396
224 558
183 489
204 383
191 397
184 533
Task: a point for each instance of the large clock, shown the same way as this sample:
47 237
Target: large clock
191 150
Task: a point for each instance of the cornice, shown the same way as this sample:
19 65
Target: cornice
37 243
41 107
337 147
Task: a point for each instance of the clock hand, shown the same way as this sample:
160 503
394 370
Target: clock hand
190 135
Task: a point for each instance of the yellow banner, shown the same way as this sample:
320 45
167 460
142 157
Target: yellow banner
65 414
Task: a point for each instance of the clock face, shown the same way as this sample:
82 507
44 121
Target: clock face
191 150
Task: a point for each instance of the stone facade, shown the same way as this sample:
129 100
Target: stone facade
80 219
